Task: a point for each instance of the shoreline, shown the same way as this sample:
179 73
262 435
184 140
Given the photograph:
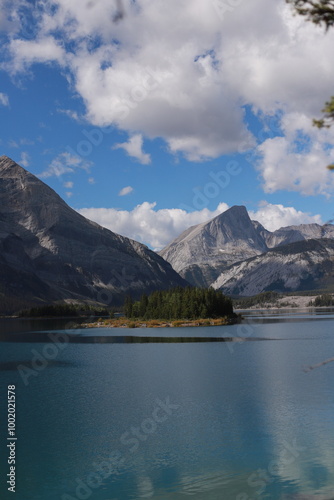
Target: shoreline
156 323
294 302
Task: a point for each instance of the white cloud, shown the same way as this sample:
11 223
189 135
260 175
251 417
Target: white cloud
24 159
8 15
27 52
126 190
134 148
91 180
65 163
155 228
297 161
179 71
68 184
70 113
273 217
69 194
4 100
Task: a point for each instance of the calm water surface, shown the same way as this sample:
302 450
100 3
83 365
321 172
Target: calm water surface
237 420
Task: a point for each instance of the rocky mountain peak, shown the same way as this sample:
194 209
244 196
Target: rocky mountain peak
27 201
235 212
203 252
48 251
235 226
10 169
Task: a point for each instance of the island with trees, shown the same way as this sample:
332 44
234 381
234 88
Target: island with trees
177 307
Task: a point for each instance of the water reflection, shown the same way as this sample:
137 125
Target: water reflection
13 365
249 423
78 338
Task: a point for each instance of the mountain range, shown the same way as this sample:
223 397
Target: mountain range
50 252
241 257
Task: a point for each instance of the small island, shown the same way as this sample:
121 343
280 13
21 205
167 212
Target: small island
178 307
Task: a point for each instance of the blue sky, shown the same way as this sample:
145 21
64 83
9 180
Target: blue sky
172 114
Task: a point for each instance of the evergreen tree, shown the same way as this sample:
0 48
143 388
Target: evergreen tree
180 303
128 305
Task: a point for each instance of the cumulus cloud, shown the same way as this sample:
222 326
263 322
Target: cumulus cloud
134 148
27 52
4 100
184 71
65 163
68 184
126 190
157 228
297 160
273 217
178 70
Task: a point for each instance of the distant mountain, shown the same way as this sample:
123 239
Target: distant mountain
291 234
48 251
302 265
203 252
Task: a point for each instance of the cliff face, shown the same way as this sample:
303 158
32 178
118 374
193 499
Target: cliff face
303 265
291 234
203 251
48 251
204 254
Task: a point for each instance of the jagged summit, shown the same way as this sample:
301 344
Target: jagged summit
4 158
203 252
234 226
10 168
29 202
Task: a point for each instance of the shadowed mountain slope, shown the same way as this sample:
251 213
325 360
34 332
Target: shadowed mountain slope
48 251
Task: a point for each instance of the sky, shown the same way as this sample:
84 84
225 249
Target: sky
149 116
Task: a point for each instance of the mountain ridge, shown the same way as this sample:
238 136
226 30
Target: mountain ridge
50 252
200 255
225 239
62 254
298 266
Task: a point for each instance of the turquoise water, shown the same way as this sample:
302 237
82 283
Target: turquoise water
243 419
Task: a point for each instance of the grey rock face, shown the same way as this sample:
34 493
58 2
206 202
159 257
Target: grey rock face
202 253
303 265
291 234
48 251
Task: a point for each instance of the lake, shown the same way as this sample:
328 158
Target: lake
121 414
